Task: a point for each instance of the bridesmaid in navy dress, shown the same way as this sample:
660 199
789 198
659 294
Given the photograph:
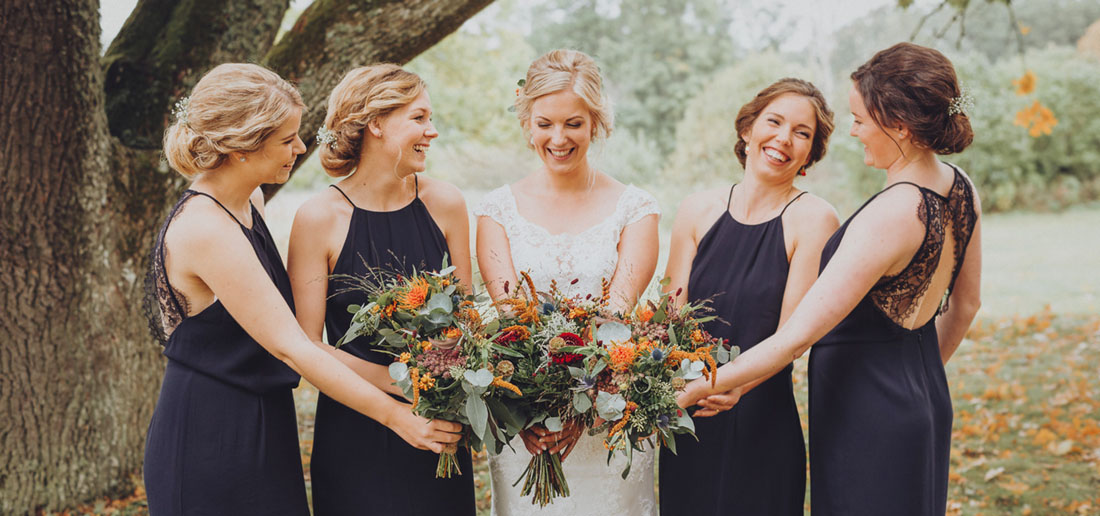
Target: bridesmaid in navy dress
377 133
223 438
898 289
753 250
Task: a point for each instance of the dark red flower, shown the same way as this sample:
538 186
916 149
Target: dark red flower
566 358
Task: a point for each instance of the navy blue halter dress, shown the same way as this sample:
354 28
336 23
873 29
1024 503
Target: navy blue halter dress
752 458
880 410
224 436
358 466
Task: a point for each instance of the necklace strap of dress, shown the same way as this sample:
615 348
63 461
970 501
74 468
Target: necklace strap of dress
791 202
235 219
416 186
729 200
345 195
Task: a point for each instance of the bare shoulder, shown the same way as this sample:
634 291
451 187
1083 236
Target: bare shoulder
812 213
894 210
200 225
706 204
437 193
322 210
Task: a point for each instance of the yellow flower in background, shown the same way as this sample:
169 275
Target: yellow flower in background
1024 29
1025 85
1037 118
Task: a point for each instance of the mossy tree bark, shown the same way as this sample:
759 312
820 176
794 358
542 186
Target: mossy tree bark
83 188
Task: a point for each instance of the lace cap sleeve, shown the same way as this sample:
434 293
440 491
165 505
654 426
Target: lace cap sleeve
496 205
637 203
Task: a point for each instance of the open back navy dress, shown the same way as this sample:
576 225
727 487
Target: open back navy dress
880 410
224 436
750 459
359 466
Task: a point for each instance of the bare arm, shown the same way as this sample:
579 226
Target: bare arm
683 246
880 239
494 258
314 243
453 219
965 298
638 248
213 249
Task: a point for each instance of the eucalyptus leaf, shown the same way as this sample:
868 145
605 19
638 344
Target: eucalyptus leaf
353 308
552 424
480 378
613 331
610 406
399 371
447 270
478 414
450 290
440 301
581 402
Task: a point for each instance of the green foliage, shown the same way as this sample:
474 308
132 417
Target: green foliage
705 136
471 78
1013 169
654 56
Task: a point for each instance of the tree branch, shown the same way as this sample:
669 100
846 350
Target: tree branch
165 47
334 36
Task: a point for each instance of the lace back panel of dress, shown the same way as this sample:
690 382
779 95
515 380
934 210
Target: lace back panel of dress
898 296
164 308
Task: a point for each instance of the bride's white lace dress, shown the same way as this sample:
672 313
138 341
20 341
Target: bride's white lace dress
596 488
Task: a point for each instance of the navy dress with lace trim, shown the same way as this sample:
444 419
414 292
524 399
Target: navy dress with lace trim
880 410
358 466
224 436
750 459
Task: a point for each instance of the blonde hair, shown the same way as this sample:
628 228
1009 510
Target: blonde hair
558 70
364 95
233 108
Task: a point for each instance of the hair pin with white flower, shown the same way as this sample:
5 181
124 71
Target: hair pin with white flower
180 109
325 137
962 104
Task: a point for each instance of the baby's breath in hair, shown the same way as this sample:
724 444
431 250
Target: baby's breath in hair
325 137
180 109
962 104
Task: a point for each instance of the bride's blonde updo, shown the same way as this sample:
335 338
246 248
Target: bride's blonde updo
365 94
233 108
558 70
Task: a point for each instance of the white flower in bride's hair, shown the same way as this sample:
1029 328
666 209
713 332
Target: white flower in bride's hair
325 137
180 109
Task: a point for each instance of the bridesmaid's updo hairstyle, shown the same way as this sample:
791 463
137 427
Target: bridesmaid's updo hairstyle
914 86
823 115
233 108
365 94
559 70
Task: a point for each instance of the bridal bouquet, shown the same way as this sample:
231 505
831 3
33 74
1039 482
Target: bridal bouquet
635 367
443 363
540 334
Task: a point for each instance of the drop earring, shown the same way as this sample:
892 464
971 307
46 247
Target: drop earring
242 160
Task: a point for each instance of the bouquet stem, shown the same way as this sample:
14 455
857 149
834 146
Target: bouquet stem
544 478
448 463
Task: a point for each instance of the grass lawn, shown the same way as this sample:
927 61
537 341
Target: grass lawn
1025 383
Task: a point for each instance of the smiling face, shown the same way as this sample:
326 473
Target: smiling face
276 156
407 133
879 150
561 131
779 140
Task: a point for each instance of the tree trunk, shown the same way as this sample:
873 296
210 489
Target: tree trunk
83 189
77 374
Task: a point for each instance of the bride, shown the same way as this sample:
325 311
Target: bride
570 223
